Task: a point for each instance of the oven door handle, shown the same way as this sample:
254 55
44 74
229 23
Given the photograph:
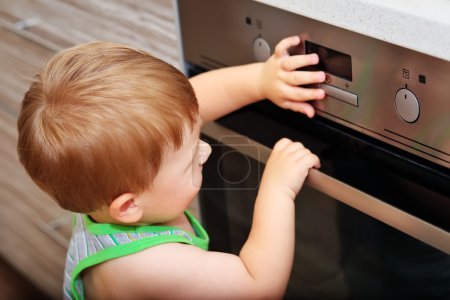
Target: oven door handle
343 192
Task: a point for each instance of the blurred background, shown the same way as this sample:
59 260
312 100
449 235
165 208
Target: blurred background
34 232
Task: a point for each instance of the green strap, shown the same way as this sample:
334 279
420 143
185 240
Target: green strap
201 240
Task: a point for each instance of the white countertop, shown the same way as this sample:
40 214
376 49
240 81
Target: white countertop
421 25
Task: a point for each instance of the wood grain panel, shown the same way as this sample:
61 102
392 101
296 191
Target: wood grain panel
34 231
58 24
28 241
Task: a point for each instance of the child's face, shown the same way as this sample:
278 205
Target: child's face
178 181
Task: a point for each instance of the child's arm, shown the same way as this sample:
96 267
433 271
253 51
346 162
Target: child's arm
269 251
262 269
222 91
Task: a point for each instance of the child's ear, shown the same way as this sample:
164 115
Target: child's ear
125 210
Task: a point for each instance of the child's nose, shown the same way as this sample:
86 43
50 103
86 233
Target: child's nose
204 152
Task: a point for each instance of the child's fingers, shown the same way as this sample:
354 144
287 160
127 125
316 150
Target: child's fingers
303 77
292 63
281 49
301 107
296 148
281 144
298 93
311 161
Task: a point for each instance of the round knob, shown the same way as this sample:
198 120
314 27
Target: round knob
407 105
261 49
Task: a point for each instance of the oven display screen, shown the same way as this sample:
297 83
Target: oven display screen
331 61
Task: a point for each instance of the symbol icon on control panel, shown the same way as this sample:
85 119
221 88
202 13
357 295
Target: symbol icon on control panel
406 73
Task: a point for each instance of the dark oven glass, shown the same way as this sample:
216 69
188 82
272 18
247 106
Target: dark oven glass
341 253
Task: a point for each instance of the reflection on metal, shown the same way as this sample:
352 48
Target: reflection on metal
338 190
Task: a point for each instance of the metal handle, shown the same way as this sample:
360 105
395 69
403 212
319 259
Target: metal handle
340 191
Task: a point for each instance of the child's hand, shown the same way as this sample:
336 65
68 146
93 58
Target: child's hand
287 168
280 79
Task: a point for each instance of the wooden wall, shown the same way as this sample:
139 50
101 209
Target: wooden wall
34 231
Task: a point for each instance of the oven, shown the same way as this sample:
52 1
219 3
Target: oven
374 221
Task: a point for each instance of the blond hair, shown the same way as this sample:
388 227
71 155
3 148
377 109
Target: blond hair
97 121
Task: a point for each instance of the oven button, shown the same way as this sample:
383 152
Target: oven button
339 94
407 105
261 49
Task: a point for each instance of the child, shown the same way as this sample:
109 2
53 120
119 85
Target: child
112 134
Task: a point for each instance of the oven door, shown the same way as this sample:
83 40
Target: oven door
370 223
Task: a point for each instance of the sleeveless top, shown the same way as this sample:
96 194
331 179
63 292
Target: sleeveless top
93 243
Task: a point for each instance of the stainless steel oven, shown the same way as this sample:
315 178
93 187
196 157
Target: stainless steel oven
374 221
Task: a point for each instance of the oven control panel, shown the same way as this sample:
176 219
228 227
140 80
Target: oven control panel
391 93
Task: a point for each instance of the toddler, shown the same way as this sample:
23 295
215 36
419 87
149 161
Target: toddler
112 134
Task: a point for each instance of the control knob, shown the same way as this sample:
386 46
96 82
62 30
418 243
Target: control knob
261 49
407 105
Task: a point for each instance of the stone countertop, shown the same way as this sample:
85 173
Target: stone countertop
423 26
